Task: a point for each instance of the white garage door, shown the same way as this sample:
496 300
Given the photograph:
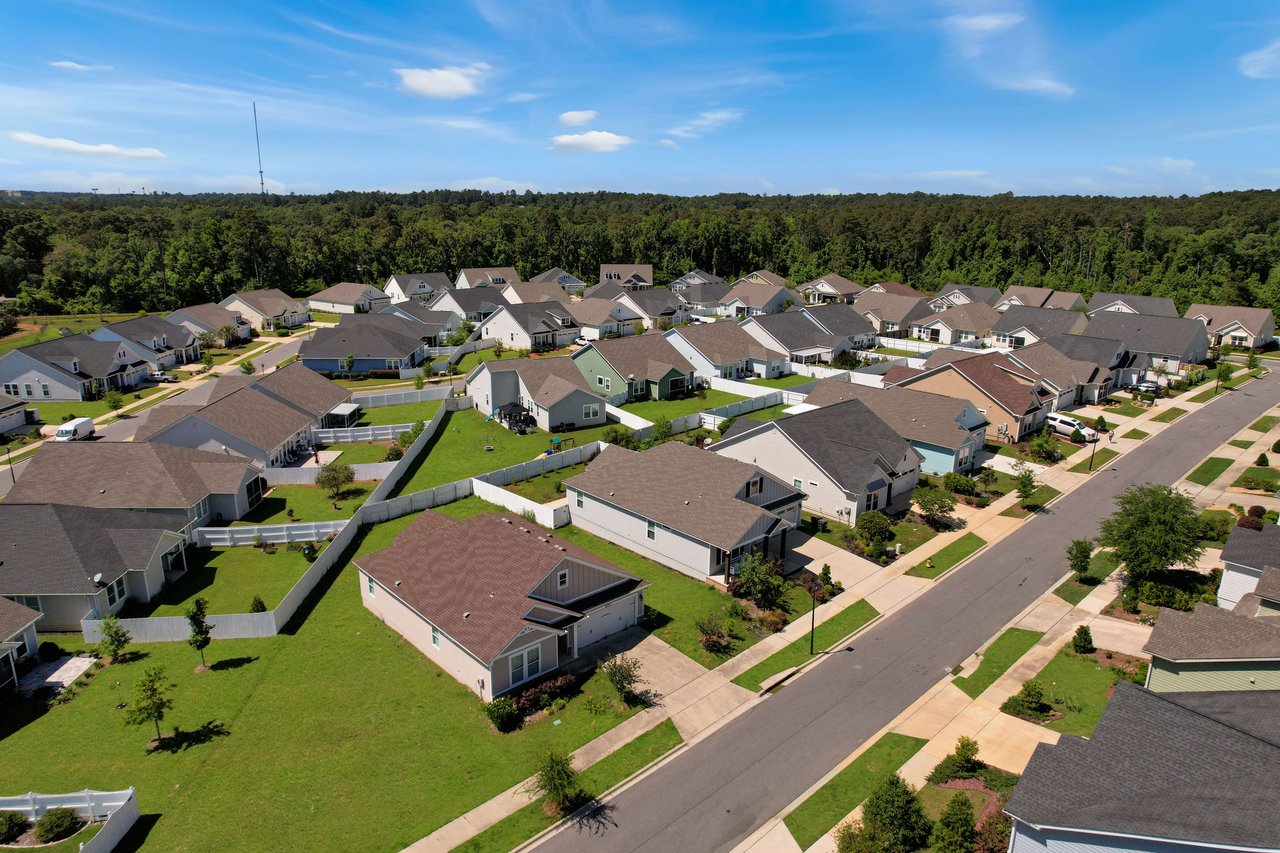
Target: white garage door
607 620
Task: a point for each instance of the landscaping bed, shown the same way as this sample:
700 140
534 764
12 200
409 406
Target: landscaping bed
1122 407
1003 653
307 503
948 557
908 531
1180 589
1076 689
229 579
1256 478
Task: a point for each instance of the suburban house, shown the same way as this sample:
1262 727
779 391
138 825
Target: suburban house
18 638
1264 601
437 325
1108 357
726 350
694 278
359 344
301 388
895 287
567 282
696 512
1039 297
604 318
517 292
267 309
485 277
605 290
947 432
836 318
158 342
1012 397
889 313
75 367
1023 325
1075 381
750 298
535 326
1244 557
704 298
84 562
347 297
1127 303
211 318
472 304
1156 343
763 277
967 323
799 337
637 367
830 288
13 414
452 588
627 276
954 295
550 392
842 457
421 286
658 307
1243 328
202 487
1162 773
1213 649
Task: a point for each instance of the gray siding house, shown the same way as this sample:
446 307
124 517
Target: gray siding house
549 391
158 342
1245 555
75 367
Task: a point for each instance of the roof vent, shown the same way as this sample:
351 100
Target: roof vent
686 503
558 548
466 614
611 494
506 521
102 491
524 530
397 583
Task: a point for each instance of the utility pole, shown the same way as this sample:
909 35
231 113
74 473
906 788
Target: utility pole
257 140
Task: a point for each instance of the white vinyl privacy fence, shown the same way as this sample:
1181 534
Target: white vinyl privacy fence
489 486
119 810
279 534
375 400
346 435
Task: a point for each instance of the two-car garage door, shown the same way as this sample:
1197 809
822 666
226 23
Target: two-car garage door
606 621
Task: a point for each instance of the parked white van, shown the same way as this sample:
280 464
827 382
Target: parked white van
1066 425
76 429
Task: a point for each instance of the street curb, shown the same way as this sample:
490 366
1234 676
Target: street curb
821 656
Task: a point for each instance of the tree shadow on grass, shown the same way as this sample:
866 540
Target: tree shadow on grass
231 663
180 741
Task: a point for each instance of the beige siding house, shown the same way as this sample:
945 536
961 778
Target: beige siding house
1010 396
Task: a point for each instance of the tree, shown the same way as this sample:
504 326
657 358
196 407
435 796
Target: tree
246 367
1024 480
986 478
1262 461
227 334
661 430
874 527
498 349
638 328
1251 360
201 630
556 780
334 477
206 340
623 673
954 832
933 504
1082 642
114 400
419 382
893 810
1079 553
1100 424
114 637
150 700
1044 446
348 362
1153 528
1222 374
207 360
759 579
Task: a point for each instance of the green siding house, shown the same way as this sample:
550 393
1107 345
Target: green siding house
1214 649
637 367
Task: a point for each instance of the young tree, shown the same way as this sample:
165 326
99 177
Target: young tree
760 580
894 810
201 630
623 673
986 478
1079 552
661 430
1082 642
1024 480
419 382
1222 374
114 400
954 832
334 477
114 638
1251 360
348 362
246 367
207 360
498 349
874 527
207 340
1044 446
934 505
1153 529
150 700
556 780
1100 424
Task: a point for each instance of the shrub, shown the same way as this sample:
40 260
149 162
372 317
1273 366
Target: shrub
623 673
619 435
394 453
541 695
1077 437
1100 425
773 620
12 825
725 424
1215 528
1129 600
1043 446
759 580
1256 511
1082 642
1027 703
596 705
737 610
1263 461
1079 552
114 638
993 837
257 605
963 763
934 505
502 713
960 484
954 831
894 810
874 526
556 780
1275 446
1249 522
56 824
50 651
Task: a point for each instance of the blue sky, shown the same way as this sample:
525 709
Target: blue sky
765 97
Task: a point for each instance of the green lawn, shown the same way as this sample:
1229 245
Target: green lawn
542 489
1240 443
373 384
1266 474
996 660
1209 470
1124 408
772 413
228 578
947 558
789 381
326 317
1101 565
298 719
1136 434
934 799
1265 423
458 450
472 359
796 653
1100 458
845 791
359 452
898 352
1078 688
56 412
1038 500
309 503
909 534
408 413
510 832
651 410
51 324
1168 416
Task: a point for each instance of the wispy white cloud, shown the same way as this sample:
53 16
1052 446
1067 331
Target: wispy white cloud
522 97
449 82
1224 132
68 65
468 124
1003 45
597 141
668 143
1262 63
577 118
105 149
707 121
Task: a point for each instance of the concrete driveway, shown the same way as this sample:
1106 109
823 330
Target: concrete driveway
664 669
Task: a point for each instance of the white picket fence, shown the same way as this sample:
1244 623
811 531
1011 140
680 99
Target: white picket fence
346 435
248 534
378 400
119 808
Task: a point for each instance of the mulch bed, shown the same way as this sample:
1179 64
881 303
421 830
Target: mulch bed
992 806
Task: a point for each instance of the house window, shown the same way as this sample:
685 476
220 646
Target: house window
649 532
797 483
591 411
754 487
201 509
32 601
579 500
369 586
44 389
11 389
435 636
1238 340
873 500
562 579
604 382
525 665
27 388
115 591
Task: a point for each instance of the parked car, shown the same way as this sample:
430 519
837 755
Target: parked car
161 376
1067 425
76 429
1147 386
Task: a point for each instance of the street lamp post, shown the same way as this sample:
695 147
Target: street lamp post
1093 448
813 614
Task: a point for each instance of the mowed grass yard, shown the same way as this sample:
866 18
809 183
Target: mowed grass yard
948 557
542 489
1078 688
651 410
340 735
309 503
1209 470
50 326
1101 567
228 578
789 381
360 452
409 413
996 660
54 412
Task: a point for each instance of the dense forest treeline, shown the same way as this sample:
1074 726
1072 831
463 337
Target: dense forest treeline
85 253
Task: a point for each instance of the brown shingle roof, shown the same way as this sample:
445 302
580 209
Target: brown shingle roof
549 380
648 357
14 617
976 317
896 287
725 342
488 274
254 416
915 415
593 312
532 291
623 273
767 276
1211 633
348 292
894 307
210 315
1220 316
751 294
836 282
304 388
995 374
270 302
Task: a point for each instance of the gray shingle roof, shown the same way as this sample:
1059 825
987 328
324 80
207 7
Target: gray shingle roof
766 276
1211 633
486 276
706 293
558 276
648 357
14 617
894 287
348 293
604 290
915 415
1221 316
1253 548
433 282
1098 351
549 380
270 302
1042 297
472 300
1042 322
211 316
435 321
894 307
975 292
1148 333
253 416
304 388
795 331
1269 583
535 291
375 336
753 295
1056 367
837 318
725 342
143 329
1199 769
695 277
654 302
633 274
542 317
97 359
593 312
1156 306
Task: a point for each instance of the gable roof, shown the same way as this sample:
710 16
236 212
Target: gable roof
836 283
304 388
1208 764
1058 368
413 282
370 336
767 276
541 317
977 317
1147 333
435 321
96 359
706 293
460 575
348 293
1043 297
1253 548
894 307
838 318
488 274
1156 306
1218 317
996 375
1210 633
976 292
1041 322
1096 350
915 415
753 295
633 274
549 380
649 357
14 617
557 276
795 331
471 300
726 342
127 474
894 287
694 277
269 301
254 416
594 312
535 291
654 302
681 487
143 329
60 548
604 290
209 315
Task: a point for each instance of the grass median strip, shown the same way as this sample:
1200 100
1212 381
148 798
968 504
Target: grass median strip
948 557
996 660
514 830
1240 443
796 653
1168 416
1209 470
1265 423
1101 565
845 791
1136 434
1100 458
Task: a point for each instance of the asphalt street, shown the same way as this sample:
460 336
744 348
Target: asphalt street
717 792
